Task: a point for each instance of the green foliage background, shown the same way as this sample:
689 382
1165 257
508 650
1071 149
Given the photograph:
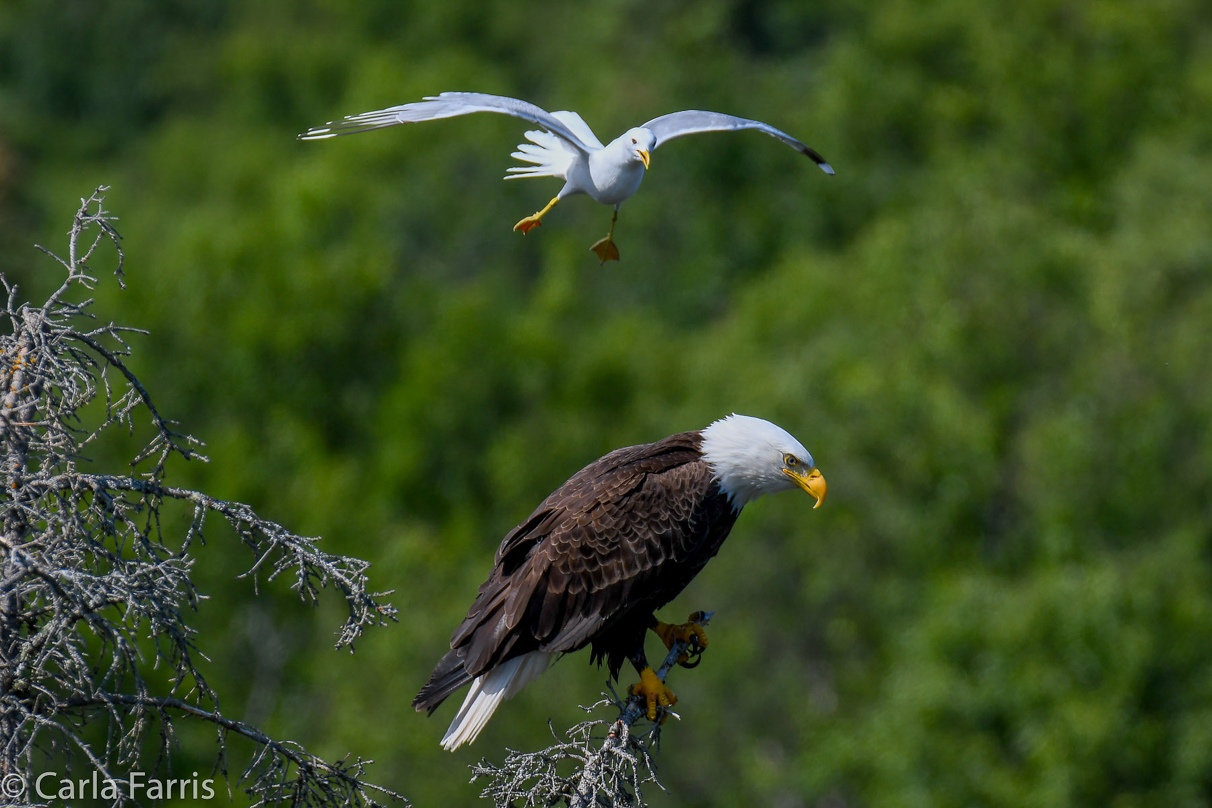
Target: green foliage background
993 329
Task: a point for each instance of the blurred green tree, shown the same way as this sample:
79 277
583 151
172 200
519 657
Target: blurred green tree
991 329
96 653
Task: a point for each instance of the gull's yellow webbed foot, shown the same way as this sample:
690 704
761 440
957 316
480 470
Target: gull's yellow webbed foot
605 250
654 692
689 632
535 219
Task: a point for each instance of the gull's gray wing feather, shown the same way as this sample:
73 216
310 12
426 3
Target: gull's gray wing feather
693 121
446 105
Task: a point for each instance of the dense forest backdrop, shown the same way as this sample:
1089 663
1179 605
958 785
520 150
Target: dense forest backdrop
992 328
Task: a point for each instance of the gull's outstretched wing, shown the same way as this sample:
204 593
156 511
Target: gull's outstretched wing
447 105
693 121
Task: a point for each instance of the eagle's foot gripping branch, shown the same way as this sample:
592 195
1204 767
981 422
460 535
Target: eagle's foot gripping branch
691 633
655 694
644 697
611 769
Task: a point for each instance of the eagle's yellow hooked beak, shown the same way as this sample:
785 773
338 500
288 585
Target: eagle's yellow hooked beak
813 482
645 157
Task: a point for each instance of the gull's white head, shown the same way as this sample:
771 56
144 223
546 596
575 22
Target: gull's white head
752 457
639 143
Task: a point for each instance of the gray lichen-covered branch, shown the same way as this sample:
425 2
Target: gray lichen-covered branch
603 762
94 588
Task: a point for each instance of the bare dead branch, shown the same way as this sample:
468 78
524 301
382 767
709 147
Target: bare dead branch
93 593
606 762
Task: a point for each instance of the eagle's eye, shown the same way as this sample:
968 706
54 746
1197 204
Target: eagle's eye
790 460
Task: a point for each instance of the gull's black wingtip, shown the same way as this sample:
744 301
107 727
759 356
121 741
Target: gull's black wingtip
816 158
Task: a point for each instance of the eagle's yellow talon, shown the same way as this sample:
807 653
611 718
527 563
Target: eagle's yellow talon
654 692
689 632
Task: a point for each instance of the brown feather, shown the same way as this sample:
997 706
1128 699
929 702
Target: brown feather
618 540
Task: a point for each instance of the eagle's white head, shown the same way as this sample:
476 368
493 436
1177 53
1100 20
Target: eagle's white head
752 457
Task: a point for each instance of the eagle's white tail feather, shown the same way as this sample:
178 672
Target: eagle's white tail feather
550 156
488 691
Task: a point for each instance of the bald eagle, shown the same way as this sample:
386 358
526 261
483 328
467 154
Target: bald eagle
621 538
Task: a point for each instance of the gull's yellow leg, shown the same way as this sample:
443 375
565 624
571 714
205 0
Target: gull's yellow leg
604 248
536 219
689 632
654 692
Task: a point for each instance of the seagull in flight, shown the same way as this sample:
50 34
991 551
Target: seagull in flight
566 147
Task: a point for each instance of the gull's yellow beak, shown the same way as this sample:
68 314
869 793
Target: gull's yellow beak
813 482
645 157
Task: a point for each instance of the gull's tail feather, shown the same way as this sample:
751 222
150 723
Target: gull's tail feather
579 128
488 691
548 153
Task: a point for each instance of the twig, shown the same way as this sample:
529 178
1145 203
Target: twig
608 770
92 593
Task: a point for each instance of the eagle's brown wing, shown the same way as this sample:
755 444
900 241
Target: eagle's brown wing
619 539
